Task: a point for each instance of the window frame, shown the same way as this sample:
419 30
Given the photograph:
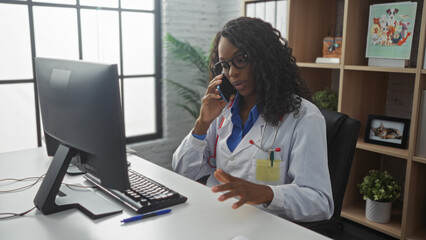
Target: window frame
157 75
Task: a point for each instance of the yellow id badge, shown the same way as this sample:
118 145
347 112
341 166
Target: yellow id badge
264 171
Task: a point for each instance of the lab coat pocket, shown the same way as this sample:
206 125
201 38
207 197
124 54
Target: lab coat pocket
267 173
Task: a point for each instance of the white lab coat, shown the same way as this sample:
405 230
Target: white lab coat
303 191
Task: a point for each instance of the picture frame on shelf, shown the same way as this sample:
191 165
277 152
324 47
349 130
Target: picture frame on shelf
387 131
390 33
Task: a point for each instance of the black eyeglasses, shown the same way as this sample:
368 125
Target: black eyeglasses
239 61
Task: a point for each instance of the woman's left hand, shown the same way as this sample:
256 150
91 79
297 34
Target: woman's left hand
250 193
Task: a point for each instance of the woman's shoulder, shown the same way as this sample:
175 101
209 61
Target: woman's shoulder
308 108
308 115
307 112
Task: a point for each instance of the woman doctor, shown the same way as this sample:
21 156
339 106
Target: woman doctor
267 145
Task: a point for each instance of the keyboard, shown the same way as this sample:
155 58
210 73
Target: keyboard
145 195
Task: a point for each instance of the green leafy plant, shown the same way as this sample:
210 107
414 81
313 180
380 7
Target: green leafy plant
379 186
190 96
325 99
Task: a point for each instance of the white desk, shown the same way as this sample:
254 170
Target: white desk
201 217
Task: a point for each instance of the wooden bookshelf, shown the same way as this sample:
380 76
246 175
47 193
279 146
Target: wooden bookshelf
363 90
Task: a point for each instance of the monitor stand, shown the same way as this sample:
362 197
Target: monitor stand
52 198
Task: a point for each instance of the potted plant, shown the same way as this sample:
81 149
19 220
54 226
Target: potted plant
326 99
190 97
380 190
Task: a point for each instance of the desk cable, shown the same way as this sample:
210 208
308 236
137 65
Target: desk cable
37 179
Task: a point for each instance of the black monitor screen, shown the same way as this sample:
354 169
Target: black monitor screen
81 110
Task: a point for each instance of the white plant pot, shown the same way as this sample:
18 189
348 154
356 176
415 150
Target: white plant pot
378 212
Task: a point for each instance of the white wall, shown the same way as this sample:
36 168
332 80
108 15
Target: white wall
197 22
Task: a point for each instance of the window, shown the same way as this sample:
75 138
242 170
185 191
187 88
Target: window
274 12
123 32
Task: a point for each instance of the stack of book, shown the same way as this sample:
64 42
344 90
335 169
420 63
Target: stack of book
333 60
331 50
421 137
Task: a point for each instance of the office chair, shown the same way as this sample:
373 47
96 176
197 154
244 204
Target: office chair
342 135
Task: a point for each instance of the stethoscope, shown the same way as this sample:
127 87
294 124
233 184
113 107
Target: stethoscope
269 149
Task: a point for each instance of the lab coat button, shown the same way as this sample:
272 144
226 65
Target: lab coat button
231 159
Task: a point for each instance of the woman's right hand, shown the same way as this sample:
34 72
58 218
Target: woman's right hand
211 106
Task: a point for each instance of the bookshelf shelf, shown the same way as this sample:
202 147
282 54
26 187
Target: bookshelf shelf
356 213
365 90
419 159
390 151
380 69
318 65
419 235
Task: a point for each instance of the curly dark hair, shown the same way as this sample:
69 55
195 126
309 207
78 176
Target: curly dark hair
278 82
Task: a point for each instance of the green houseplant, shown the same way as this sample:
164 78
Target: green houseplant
379 186
380 190
325 99
190 98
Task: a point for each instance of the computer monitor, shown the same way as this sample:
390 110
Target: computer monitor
82 119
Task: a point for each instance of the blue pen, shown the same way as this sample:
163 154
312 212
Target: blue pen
146 215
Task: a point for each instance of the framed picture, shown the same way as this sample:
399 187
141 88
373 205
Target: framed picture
390 30
387 131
